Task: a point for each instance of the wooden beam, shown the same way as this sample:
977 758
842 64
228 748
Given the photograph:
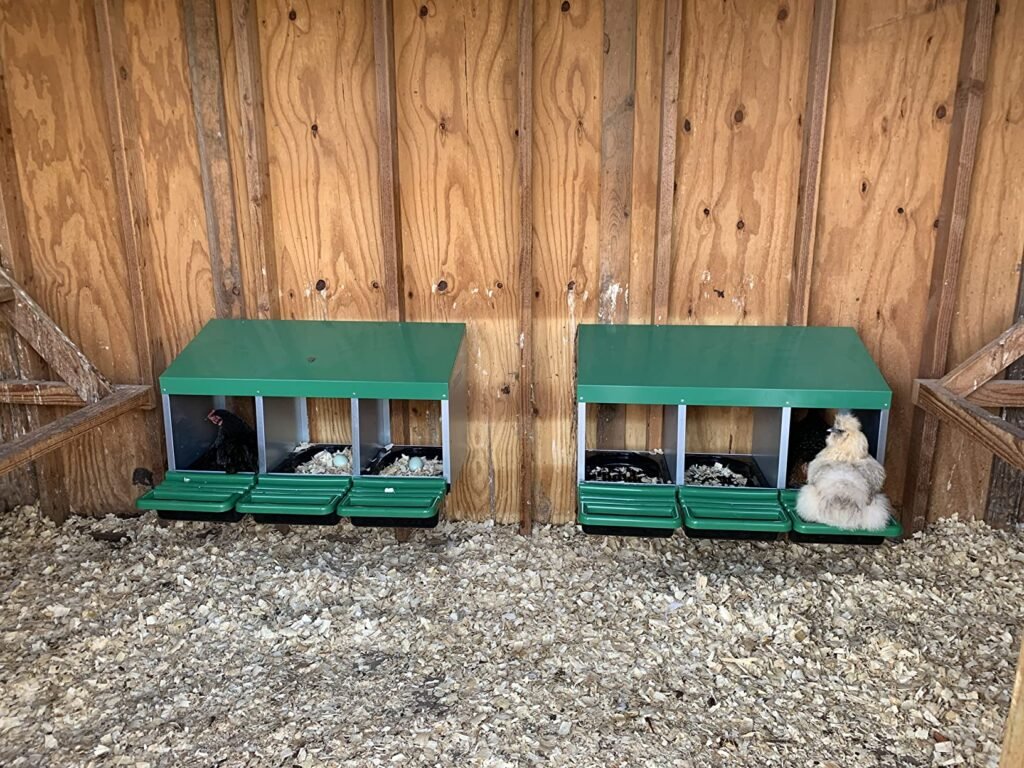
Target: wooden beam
527 403
258 219
45 480
618 96
62 431
53 345
815 110
203 45
987 362
999 394
1013 741
6 292
974 55
129 179
28 392
1000 437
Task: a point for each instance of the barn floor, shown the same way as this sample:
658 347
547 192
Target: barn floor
198 644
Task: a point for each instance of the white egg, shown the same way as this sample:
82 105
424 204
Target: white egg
415 464
340 460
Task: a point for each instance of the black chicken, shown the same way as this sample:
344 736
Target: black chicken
806 439
234 450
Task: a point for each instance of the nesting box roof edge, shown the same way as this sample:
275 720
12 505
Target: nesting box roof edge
317 358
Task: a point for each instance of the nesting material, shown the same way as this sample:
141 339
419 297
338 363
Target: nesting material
326 463
423 467
716 474
622 474
126 643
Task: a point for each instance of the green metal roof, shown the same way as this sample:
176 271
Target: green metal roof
770 366
314 358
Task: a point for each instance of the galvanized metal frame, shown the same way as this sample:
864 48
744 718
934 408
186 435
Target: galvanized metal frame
581 442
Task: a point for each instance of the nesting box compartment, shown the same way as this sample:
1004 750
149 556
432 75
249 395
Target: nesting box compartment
285 365
765 371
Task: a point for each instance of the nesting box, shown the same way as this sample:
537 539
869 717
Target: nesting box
275 369
761 376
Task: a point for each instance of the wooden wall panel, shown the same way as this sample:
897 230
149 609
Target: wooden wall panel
744 70
77 272
993 248
743 75
566 183
319 91
182 276
456 81
885 151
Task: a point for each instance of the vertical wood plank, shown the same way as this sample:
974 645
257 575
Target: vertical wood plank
661 283
133 209
456 82
566 194
669 120
974 56
208 103
524 145
618 101
815 109
258 216
387 153
881 186
1013 742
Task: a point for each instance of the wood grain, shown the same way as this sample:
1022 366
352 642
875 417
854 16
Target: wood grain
38 330
524 146
322 142
62 431
999 394
945 272
990 298
28 392
639 275
19 487
744 67
77 268
881 184
566 192
202 43
132 205
996 435
456 82
815 110
618 113
1013 741
257 216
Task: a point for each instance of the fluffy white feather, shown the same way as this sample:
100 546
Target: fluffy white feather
844 483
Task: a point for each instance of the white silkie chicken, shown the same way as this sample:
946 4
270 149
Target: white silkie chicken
844 482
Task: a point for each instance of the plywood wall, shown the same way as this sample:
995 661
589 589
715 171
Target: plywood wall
742 77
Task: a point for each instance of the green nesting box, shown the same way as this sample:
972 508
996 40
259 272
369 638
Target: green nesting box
275 368
766 371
